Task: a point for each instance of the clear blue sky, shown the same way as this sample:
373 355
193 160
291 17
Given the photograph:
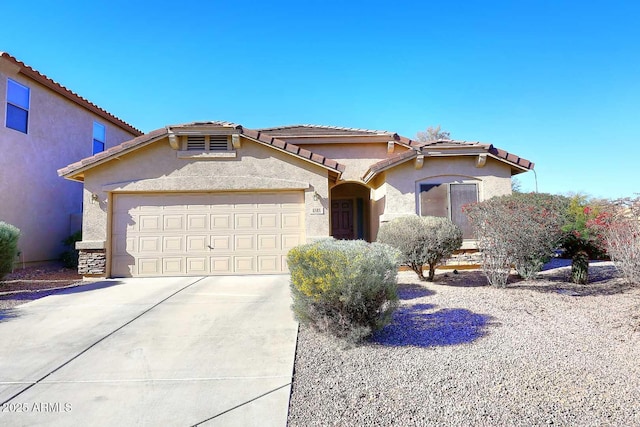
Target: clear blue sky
556 82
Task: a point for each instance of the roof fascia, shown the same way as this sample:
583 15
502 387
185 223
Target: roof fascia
74 174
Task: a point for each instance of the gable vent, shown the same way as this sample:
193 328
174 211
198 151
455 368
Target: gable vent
195 142
218 143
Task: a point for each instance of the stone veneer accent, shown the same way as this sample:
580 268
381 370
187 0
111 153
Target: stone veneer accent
92 261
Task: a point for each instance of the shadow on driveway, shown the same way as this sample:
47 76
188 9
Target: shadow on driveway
7 314
19 298
418 325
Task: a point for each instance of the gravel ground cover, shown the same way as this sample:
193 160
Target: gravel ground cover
26 284
461 353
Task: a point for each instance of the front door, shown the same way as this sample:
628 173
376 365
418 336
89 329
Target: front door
342 219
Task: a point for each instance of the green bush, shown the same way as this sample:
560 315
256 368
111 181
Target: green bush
346 288
422 240
69 257
8 247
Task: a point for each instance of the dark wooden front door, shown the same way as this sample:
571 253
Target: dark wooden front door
342 219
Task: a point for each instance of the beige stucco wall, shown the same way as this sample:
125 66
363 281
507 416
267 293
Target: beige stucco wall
401 186
157 168
32 195
356 157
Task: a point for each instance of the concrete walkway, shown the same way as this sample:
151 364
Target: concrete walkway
168 351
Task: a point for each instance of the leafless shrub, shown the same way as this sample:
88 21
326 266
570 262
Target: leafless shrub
520 230
622 238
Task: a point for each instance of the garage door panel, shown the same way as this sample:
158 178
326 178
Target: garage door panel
244 221
149 223
221 264
148 266
172 266
173 244
244 242
267 242
149 244
205 233
173 222
221 222
244 264
197 265
196 243
289 241
268 264
267 220
221 243
197 222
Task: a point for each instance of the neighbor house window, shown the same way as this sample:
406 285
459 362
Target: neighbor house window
208 143
446 200
17 106
98 137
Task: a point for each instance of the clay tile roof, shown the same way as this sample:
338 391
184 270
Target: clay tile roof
391 161
452 143
162 132
72 96
511 157
114 151
406 141
266 138
205 124
319 130
448 144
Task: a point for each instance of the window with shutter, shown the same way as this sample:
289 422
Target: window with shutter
447 200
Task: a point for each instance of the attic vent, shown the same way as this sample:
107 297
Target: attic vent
218 143
195 142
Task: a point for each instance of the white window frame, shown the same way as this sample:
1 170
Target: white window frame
28 109
448 181
94 139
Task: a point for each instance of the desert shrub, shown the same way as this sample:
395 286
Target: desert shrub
69 257
422 240
8 247
621 235
520 230
346 288
580 268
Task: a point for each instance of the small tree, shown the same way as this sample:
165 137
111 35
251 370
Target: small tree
520 230
433 134
582 236
8 247
422 240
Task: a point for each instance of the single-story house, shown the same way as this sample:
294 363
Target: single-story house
212 198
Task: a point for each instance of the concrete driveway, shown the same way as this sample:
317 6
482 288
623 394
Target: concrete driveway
168 351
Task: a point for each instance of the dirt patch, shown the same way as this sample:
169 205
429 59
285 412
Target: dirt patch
39 278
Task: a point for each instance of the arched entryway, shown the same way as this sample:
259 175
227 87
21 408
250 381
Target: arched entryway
351 211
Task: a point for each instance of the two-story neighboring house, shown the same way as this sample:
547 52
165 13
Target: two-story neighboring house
44 127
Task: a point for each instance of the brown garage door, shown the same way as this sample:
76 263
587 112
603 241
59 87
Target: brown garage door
204 233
